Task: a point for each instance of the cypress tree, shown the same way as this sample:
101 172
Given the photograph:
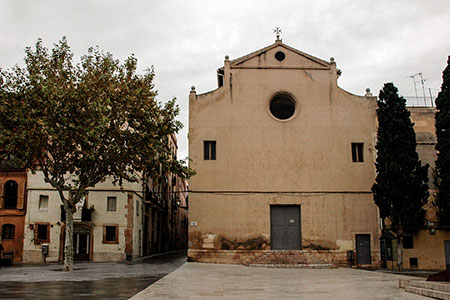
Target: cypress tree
401 188
442 170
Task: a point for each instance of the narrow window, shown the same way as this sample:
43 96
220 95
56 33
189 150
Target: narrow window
42 233
110 234
408 242
357 152
111 205
137 208
8 231
11 194
43 202
209 150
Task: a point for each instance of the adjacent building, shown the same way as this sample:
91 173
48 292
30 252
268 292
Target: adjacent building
13 205
112 223
426 249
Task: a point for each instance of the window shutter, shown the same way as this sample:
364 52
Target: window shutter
1 195
20 194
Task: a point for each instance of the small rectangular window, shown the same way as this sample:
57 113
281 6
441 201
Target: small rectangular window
357 152
408 242
111 204
110 234
413 263
42 233
137 208
8 231
43 202
209 150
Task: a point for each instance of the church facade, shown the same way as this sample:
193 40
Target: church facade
285 164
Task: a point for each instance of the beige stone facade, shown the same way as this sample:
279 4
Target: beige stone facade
427 251
112 210
113 223
305 162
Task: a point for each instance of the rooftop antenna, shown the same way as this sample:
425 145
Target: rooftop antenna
277 30
413 77
422 81
423 87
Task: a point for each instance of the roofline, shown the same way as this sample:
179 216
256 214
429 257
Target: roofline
244 58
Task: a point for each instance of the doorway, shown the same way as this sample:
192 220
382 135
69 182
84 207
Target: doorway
82 242
285 229
363 256
81 246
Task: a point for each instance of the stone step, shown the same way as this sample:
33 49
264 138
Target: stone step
288 258
428 293
431 285
295 266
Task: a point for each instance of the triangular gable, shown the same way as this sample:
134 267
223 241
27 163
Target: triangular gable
265 58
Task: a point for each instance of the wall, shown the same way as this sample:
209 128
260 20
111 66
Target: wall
428 248
123 217
429 242
15 217
310 154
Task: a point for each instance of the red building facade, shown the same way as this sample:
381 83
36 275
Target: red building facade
12 211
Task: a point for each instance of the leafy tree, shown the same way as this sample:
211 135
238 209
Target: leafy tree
83 123
400 190
442 170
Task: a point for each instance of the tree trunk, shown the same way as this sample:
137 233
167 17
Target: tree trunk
68 248
400 249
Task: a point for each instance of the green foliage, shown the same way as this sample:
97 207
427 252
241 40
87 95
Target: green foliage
81 123
442 170
400 190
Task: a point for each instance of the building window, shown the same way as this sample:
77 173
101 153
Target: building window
11 194
43 202
280 56
408 242
42 233
111 205
110 234
413 263
137 208
357 152
209 148
282 106
8 231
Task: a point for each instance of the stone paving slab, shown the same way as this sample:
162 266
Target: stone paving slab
214 281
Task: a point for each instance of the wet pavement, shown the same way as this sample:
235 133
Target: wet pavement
117 280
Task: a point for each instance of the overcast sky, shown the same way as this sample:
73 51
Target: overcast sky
373 42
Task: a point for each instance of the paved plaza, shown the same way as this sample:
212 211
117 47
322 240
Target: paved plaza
214 281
